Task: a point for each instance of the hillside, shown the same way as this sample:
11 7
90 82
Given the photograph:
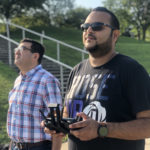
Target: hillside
138 50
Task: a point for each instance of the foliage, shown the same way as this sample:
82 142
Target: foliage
56 9
38 19
133 13
11 8
51 13
141 13
76 17
2 27
41 11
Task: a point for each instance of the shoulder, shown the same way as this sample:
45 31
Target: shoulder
80 66
76 70
128 63
46 76
126 60
129 67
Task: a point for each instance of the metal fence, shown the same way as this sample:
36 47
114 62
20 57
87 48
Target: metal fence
42 37
62 65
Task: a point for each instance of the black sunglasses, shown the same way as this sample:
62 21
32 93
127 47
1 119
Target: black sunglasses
96 26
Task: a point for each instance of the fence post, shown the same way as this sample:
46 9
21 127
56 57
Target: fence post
43 33
23 33
58 51
83 54
9 44
62 80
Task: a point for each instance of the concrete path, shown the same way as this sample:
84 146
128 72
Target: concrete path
64 146
147 145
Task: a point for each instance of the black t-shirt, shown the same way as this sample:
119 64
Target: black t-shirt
113 92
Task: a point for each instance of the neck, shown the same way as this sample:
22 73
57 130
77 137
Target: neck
26 69
99 61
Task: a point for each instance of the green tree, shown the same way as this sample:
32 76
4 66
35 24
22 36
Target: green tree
135 12
11 8
121 11
56 9
141 16
76 17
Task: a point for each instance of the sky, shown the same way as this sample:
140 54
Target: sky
88 3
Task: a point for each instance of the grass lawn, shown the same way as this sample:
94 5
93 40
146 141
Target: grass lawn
7 77
138 50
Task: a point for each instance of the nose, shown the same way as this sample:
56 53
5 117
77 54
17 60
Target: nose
89 29
16 51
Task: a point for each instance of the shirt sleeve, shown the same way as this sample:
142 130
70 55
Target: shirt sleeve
52 92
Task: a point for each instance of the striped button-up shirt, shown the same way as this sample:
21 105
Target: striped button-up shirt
33 91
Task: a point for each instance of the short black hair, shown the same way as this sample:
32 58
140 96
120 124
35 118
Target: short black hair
36 47
114 20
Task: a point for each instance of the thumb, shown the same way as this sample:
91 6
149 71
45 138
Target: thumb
82 115
42 123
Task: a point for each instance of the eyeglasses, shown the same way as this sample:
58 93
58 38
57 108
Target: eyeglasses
22 48
96 26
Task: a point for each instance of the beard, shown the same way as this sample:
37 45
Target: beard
99 50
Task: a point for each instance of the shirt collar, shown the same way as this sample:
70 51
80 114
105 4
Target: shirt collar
31 72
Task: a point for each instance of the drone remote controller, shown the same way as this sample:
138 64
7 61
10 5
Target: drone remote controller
54 121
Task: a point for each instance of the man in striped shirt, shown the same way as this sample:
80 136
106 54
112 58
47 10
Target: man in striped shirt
34 89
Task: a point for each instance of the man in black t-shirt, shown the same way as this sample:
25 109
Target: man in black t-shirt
109 91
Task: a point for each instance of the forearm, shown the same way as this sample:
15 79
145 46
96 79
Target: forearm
56 142
132 130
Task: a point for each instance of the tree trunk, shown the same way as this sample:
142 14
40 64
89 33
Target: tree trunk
144 34
138 33
144 28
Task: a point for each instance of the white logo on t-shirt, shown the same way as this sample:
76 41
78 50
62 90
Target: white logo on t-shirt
96 111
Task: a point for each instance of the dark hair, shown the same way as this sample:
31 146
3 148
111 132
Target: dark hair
114 21
36 47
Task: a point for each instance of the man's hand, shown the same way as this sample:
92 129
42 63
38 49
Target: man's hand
88 127
56 137
52 132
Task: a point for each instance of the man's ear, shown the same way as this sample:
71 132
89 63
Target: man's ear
116 34
36 56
